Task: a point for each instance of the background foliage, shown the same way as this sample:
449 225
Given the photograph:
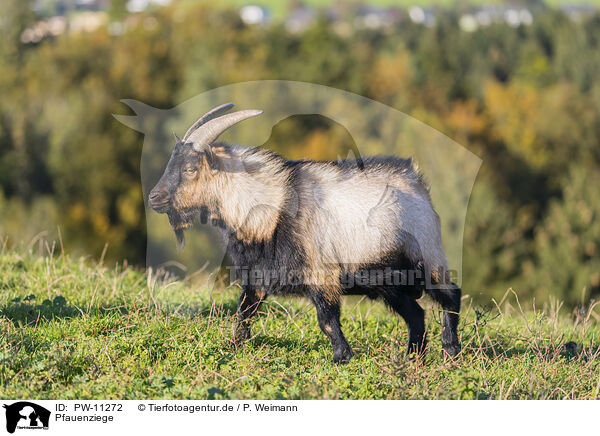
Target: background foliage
526 100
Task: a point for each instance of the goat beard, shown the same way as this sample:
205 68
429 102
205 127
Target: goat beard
179 222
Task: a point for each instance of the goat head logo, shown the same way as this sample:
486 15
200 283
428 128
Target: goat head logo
26 415
374 127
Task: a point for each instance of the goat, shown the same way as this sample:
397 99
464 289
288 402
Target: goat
321 229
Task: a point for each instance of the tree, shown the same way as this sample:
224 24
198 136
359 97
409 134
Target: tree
568 242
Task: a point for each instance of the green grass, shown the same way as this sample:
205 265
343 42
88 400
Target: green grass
72 329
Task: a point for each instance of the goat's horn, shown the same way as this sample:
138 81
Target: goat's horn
211 130
213 113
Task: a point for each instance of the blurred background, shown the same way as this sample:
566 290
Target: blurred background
516 83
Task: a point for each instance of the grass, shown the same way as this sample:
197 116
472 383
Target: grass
72 329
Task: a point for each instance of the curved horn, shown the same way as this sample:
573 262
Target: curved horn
213 113
213 128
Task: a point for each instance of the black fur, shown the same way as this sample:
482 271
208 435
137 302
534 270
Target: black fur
282 252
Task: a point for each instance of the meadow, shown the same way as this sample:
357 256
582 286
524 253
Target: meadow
72 328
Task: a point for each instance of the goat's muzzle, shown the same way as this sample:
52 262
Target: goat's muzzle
159 200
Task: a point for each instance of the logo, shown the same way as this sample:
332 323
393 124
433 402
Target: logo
373 128
26 415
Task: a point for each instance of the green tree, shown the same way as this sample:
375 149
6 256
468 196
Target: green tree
494 245
568 241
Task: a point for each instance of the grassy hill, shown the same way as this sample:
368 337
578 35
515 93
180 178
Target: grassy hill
74 329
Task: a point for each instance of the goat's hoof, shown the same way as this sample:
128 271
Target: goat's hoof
451 350
240 337
343 356
238 343
415 355
416 349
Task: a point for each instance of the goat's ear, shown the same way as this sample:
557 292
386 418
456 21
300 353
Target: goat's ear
218 151
222 159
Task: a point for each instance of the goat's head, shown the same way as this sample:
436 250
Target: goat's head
188 179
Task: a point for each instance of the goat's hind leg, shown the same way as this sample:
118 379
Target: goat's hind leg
413 315
328 313
448 296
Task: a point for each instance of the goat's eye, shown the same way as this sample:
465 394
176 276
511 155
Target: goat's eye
189 170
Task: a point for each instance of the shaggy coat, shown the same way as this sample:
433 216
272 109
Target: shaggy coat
321 229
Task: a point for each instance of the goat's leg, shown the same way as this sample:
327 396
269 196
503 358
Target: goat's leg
449 298
328 313
413 315
248 305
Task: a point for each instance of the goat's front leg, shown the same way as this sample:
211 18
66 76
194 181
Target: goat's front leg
248 304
